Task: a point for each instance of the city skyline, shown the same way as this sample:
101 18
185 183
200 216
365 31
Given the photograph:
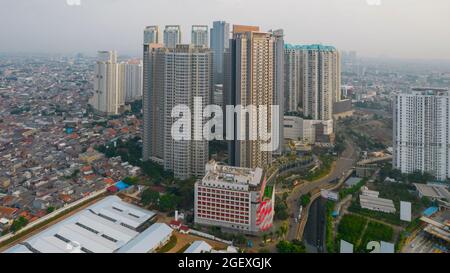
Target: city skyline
55 26
285 126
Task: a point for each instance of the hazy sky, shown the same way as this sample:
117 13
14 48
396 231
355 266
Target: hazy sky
395 28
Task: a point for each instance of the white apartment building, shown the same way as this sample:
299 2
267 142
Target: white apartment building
188 76
108 91
234 198
422 132
175 76
115 83
313 78
132 80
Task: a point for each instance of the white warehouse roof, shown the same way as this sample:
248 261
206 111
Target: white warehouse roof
198 247
103 227
121 212
377 204
149 240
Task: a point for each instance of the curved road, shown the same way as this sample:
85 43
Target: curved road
344 163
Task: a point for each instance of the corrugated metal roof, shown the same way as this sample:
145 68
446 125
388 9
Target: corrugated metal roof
148 240
198 247
87 231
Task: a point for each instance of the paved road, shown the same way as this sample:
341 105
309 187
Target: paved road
345 162
314 235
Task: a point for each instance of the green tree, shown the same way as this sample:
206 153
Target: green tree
291 247
168 202
284 229
131 180
305 199
281 212
150 197
50 209
18 224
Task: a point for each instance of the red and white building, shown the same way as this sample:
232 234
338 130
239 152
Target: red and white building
234 198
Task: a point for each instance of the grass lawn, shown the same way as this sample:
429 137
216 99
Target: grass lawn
375 232
172 242
351 228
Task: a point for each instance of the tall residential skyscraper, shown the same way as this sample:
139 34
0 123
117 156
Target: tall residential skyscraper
108 91
422 132
151 35
292 80
278 75
153 102
188 71
219 43
175 76
320 79
172 36
250 82
199 35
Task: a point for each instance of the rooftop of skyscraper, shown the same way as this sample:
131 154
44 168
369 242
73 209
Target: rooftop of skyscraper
431 91
311 47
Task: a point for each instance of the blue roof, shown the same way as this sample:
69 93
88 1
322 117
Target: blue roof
121 185
310 47
430 211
